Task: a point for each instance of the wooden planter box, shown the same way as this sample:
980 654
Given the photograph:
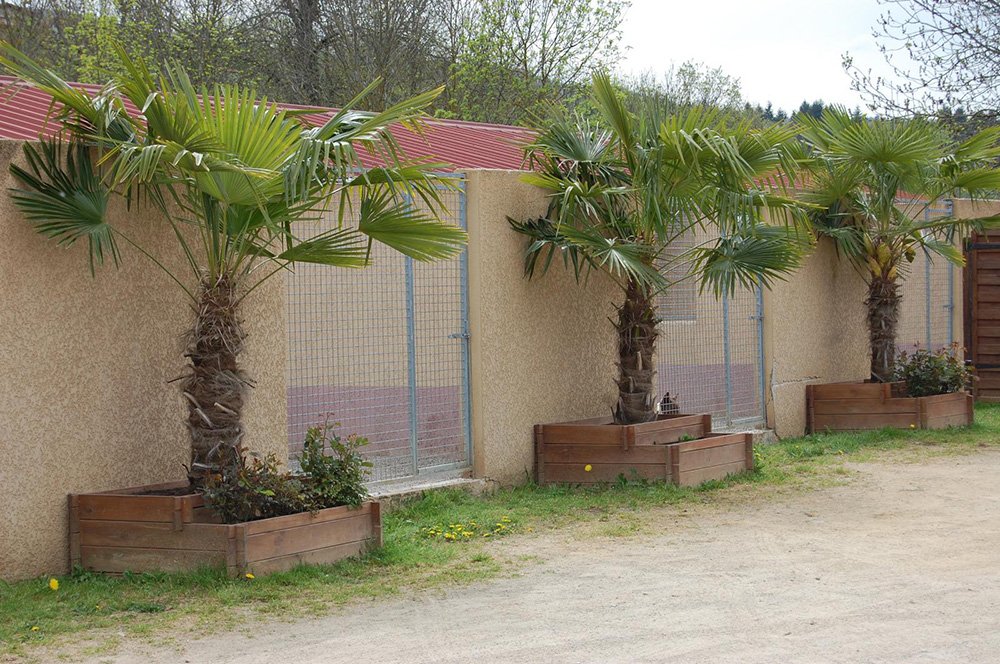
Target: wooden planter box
129 530
651 451
859 406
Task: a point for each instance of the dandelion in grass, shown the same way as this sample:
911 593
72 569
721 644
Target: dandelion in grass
249 576
34 628
54 584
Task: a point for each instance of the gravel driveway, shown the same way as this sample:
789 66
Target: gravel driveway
900 565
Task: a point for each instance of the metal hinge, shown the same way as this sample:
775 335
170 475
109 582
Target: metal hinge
460 335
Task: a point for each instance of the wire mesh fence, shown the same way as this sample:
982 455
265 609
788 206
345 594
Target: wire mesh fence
928 300
383 352
710 350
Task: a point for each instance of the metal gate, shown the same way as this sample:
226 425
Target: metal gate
384 353
710 351
927 309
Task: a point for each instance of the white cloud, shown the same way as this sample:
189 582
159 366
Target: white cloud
783 51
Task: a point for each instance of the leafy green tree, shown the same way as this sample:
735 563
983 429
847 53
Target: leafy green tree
520 56
872 180
235 177
624 188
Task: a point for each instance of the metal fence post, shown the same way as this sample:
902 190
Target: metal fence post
466 332
727 359
760 351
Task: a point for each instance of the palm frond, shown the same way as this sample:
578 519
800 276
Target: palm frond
398 225
64 199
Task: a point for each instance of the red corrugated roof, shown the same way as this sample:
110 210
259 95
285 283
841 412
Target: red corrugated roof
24 116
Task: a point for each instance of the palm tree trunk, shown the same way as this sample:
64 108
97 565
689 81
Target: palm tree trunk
883 316
215 388
636 327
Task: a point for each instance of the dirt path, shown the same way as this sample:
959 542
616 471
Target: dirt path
900 565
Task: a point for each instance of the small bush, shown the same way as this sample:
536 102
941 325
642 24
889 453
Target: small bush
337 478
928 373
259 490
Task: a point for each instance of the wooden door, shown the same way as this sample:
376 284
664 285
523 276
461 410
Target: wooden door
982 313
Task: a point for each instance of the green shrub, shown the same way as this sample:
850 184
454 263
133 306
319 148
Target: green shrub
337 478
259 490
333 474
928 373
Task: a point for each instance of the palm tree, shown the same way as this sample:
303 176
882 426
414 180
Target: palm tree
872 182
624 189
235 177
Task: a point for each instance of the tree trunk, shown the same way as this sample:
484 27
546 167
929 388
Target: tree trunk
636 327
215 389
883 316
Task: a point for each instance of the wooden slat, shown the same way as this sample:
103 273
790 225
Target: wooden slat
864 421
291 541
987 259
989 379
987 310
574 473
324 556
987 293
989 345
305 518
74 531
124 559
945 421
712 440
988 277
863 406
713 456
584 454
697 476
665 430
944 405
152 535
127 508
850 391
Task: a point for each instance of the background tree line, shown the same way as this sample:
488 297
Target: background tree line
505 61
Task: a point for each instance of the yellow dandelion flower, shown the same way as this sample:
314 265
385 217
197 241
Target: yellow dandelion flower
34 628
466 534
250 576
486 534
54 584
913 426
588 468
505 519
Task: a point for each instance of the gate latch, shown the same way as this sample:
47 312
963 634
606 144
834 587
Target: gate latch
460 335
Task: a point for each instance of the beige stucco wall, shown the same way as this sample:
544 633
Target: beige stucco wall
542 350
84 399
814 332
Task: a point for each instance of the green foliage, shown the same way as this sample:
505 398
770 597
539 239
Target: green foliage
333 474
336 470
87 603
258 490
927 373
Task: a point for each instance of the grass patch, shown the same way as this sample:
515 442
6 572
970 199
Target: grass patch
416 554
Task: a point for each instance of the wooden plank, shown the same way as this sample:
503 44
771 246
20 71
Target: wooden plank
291 541
603 472
944 404
152 535
863 406
144 488
712 456
604 433
697 476
989 379
134 559
305 518
987 311
855 390
989 345
539 455
988 277
74 531
325 556
127 508
376 517
865 422
986 292
945 421
987 259
584 454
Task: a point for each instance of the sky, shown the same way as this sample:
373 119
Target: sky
783 51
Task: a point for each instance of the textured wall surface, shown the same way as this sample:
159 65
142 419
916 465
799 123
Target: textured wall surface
814 332
84 400
542 350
